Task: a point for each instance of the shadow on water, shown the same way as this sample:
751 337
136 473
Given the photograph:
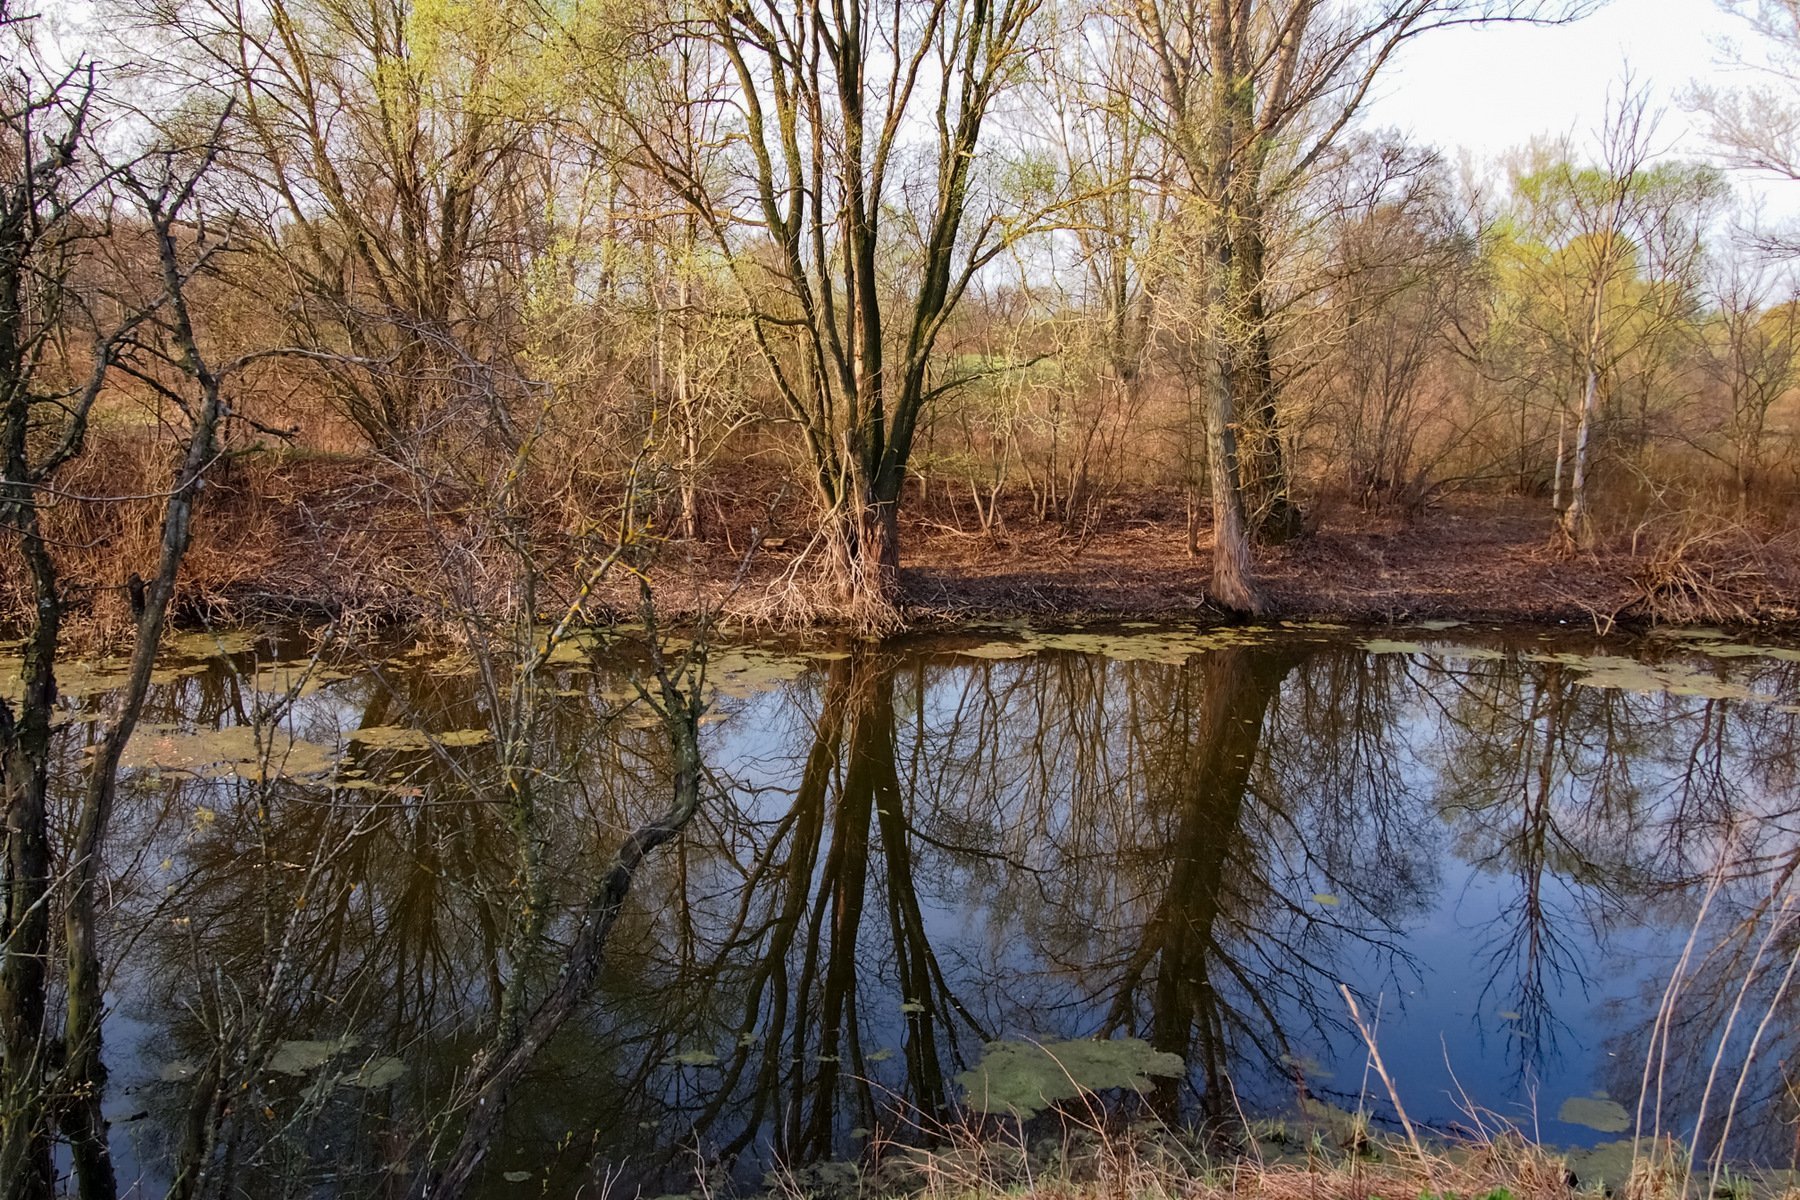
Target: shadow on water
929 845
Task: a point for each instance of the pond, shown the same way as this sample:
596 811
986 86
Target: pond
1505 845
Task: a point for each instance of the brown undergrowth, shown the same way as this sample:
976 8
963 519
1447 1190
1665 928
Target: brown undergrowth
305 536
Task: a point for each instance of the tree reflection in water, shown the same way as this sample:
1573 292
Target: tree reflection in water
925 851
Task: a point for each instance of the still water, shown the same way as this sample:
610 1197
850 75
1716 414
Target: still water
1502 843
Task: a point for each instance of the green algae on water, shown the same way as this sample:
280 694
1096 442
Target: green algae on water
302 1056
402 737
1595 1112
1024 1078
222 753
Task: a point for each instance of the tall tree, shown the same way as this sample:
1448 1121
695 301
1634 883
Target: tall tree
855 214
1599 268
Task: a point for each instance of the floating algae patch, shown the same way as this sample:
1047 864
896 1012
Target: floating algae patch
209 644
301 1056
1172 646
745 672
575 649
1390 646
170 672
390 737
1447 653
1631 675
300 678
402 737
1607 1165
231 751
1689 634
461 737
1595 1112
692 1058
78 679
1673 680
1744 650
377 1072
995 650
1026 1077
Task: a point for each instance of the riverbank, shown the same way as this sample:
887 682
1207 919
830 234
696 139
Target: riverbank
1476 559
1279 1161
314 537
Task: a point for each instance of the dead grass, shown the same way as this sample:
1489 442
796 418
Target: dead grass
1699 569
1077 1158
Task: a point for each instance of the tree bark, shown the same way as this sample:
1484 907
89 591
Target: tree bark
1576 528
1234 585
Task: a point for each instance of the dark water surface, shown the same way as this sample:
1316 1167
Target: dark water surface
1501 842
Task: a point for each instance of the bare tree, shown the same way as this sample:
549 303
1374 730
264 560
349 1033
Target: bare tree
1756 127
854 214
1629 237
56 200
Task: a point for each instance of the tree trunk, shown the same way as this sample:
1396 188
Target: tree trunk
1268 488
26 1169
1234 584
1576 529
866 556
685 405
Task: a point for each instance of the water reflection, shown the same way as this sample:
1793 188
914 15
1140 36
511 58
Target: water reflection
925 850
